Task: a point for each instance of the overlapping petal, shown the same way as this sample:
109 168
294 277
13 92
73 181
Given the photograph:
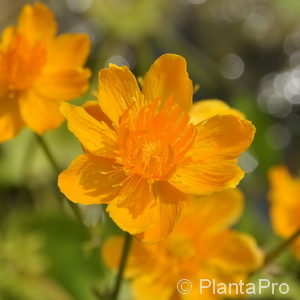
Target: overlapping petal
162 288
205 109
64 84
93 109
133 209
211 165
223 137
69 50
284 197
140 267
237 252
91 180
169 204
284 188
118 90
140 260
10 119
7 35
112 258
95 136
148 211
39 113
211 176
168 78
285 219
37 23
285 206
217 211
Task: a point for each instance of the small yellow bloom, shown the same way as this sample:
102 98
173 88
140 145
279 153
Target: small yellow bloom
144 155
200 247
38 71
284 196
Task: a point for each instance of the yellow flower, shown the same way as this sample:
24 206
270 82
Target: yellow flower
200 247
143 155
38 71
285 204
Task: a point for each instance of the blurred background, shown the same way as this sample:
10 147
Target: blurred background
245 52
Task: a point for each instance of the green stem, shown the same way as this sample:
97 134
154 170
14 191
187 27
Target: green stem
48 154
276 252
122 265
57 170
280 248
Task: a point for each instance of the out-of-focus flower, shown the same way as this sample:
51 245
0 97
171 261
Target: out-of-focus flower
285 204
38 71
201 246
143 155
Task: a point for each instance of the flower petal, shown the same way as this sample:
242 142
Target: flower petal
153 286
207 294
139 260
93 109
62 85
169 203
68 51
90 180
206 178
211 164
149 211
217 211
96 137
284 197
237 252
7 35
111 252
224 137
205 109
39 113
10 119
285 219
168 78
118 89
132 209
141 267
284 188
37 22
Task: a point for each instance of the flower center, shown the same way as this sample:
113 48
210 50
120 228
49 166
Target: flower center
21 63
154 139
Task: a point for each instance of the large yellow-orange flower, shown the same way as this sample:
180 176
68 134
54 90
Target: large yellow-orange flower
144 156
284 196
38 71
201 246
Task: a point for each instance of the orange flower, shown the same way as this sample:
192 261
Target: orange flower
285 204
38 71
143 155
200 247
